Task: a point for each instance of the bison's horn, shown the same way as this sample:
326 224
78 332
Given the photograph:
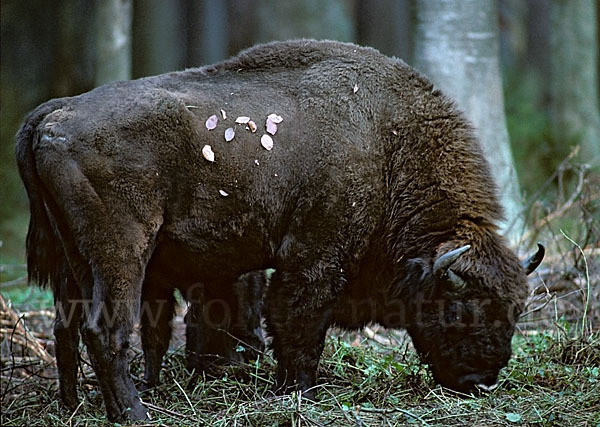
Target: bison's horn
443 263
531 263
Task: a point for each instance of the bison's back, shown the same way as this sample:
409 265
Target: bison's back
135 148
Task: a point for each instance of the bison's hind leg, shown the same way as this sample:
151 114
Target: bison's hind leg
66 335
105 331
158 307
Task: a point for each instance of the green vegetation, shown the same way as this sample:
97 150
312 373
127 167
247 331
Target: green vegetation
550 380
370 378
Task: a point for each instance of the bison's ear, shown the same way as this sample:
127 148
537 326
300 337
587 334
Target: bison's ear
531 263
442 267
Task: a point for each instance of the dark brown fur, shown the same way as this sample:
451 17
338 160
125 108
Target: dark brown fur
373 176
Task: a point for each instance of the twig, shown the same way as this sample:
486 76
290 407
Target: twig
186 396
162 410
339 405
13 283
557 213
587 280
244 343
546 184
539 307
21 334
389 411
376 337
74 412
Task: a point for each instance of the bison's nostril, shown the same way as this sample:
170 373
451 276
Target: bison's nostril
487 388
472 382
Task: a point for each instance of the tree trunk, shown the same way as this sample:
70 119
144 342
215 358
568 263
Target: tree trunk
159 40
574 76
207 32
385 25
284 20
456 46
113 41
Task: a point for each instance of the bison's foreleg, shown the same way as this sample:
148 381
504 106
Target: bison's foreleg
247 326
158 306
298 323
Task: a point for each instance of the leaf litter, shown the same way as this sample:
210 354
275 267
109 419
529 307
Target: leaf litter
267 142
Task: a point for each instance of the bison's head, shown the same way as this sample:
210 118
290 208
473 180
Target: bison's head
469 300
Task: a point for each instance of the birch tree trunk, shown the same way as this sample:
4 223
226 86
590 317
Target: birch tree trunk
113 41
574 76
456 46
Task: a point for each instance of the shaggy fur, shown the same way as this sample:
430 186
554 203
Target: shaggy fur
374 174
213 336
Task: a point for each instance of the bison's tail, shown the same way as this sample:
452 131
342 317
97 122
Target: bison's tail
46 261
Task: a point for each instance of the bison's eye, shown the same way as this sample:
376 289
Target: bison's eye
454 280
454 314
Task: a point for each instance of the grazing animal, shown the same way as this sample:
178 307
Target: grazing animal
367 192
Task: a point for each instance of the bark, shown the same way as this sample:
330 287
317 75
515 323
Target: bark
456 46
113 41
574 76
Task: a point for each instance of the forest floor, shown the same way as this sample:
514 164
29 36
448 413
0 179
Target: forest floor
367 378
372 377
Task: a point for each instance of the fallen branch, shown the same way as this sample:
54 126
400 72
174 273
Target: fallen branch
19 334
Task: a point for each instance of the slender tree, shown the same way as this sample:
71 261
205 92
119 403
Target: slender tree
456 45
574 76
113 41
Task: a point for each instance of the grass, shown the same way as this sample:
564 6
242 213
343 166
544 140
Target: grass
367 378
370 378
550 380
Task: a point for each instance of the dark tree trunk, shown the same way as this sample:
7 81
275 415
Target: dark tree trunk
159 39
283 20
207 34
385 25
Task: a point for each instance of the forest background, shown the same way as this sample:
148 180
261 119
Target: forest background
547 52
542 59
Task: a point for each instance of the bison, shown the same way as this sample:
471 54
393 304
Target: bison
370 197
